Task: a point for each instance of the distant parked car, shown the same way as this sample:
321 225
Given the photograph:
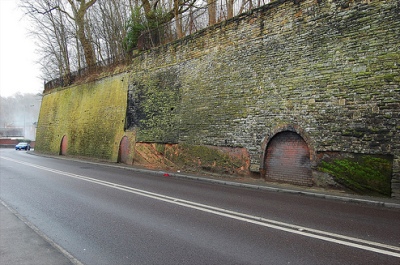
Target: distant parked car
23 145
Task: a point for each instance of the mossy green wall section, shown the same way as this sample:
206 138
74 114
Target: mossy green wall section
328 70
91 115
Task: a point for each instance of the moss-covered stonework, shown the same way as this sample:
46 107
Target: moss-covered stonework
153 101
365 174
328 68
91 115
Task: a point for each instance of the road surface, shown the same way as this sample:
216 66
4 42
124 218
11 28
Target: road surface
109 215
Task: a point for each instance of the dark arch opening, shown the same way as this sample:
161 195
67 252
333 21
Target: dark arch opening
287 159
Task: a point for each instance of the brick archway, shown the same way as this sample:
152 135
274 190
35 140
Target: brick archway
124 150
64 145
287 159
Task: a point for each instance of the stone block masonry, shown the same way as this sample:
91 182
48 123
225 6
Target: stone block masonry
324 70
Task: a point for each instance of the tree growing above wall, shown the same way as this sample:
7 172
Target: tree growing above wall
72 35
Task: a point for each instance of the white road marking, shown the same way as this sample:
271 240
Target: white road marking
294 229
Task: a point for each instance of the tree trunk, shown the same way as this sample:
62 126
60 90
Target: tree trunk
178 22
212 12
229 6
85 40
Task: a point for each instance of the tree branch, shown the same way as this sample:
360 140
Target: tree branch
35 10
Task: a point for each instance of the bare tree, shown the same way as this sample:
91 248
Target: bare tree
51 32
79 11
74 34
166 15
108 21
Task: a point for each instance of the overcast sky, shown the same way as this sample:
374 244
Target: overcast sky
18 70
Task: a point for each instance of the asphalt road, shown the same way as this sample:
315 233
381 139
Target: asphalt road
108 215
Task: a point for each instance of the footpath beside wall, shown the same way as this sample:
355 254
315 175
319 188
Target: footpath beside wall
305 92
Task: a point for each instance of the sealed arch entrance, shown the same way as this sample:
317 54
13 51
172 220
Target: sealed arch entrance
124 150
287 159
64 145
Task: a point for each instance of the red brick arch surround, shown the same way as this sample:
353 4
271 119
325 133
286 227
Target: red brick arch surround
64 145
124 150
288 156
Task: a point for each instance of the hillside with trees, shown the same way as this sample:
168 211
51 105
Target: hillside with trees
82 35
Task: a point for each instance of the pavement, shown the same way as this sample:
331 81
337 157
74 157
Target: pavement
21 243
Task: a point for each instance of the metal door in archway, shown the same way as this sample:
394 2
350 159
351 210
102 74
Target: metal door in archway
287 159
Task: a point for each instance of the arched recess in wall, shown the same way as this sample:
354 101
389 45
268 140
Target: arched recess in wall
287 159
64 145
124 151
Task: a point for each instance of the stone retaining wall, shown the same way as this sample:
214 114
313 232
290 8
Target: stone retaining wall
327 70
